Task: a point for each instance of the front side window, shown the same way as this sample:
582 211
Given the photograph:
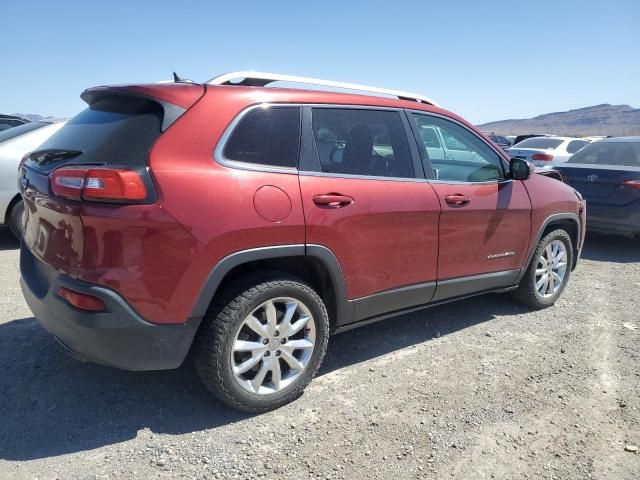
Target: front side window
362 142
459 155
266 136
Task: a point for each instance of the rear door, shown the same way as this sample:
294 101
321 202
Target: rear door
486 218
365 199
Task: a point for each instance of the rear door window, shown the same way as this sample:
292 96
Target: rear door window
355 141
266 136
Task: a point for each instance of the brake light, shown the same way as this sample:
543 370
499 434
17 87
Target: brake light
631 183
109 184
82 300
99 184
542 156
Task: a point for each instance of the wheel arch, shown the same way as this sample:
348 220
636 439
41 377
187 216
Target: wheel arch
570 222
314 264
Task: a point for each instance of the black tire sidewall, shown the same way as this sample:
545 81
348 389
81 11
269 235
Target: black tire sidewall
15 219
232 393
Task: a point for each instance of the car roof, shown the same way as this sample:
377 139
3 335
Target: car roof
621 140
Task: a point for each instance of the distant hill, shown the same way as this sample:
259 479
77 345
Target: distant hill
605 119
34 117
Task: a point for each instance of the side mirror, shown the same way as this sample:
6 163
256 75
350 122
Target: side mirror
519 169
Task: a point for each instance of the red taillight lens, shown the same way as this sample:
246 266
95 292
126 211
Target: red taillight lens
108 184
542 156
81 300
68 182
99 184
631 183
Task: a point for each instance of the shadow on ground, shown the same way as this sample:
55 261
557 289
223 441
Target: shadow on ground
611 248
51 404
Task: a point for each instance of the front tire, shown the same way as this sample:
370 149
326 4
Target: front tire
262 341
548 273
15 219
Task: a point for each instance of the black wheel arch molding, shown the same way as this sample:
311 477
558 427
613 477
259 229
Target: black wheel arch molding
556 218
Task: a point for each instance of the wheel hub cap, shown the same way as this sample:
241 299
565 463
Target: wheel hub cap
273 345
551 269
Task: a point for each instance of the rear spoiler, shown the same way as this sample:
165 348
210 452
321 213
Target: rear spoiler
175 99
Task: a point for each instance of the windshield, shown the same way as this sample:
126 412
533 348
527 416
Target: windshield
20 130
540 142
609 153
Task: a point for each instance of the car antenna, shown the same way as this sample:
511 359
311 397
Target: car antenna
177 79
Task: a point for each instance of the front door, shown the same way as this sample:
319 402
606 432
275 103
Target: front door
486 218
366 203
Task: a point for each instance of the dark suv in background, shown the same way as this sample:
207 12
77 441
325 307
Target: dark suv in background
248 223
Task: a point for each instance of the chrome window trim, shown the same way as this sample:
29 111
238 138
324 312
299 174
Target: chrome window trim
361 177
501 155
218 152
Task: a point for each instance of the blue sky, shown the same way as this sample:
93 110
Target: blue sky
483 60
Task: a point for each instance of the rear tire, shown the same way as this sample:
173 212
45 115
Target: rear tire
15 219
289 314
533 291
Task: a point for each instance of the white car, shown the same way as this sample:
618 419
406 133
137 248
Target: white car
545 151
14 143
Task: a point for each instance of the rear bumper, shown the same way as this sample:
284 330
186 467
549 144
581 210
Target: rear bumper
118 337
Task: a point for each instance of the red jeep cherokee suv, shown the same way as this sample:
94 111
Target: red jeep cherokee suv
248 223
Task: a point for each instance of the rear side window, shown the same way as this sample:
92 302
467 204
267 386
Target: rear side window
362 142
609 153
113 130
266 136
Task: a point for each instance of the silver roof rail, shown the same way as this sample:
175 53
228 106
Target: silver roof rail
261 79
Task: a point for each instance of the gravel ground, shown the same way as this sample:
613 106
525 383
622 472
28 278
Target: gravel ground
477 389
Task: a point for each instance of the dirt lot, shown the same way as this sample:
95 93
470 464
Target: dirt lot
478 389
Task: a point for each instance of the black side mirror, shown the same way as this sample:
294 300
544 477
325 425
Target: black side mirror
519 169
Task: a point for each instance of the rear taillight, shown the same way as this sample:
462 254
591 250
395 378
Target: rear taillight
82 300
542 156
631 183
99 184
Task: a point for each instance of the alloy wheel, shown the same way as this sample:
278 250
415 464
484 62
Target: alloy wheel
551 269
273 346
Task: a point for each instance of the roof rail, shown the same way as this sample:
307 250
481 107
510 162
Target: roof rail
262 79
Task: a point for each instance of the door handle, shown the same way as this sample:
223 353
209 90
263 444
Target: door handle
332 200
457 200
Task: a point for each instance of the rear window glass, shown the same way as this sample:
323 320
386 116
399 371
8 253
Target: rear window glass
540 142
20 130
114 130
609 153
499 140
266 136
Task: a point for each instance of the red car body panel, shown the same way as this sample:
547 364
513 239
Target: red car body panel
395 233
364 235
496 221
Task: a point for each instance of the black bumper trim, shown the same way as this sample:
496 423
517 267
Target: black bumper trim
118 337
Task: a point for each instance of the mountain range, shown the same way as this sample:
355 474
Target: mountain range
604 119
